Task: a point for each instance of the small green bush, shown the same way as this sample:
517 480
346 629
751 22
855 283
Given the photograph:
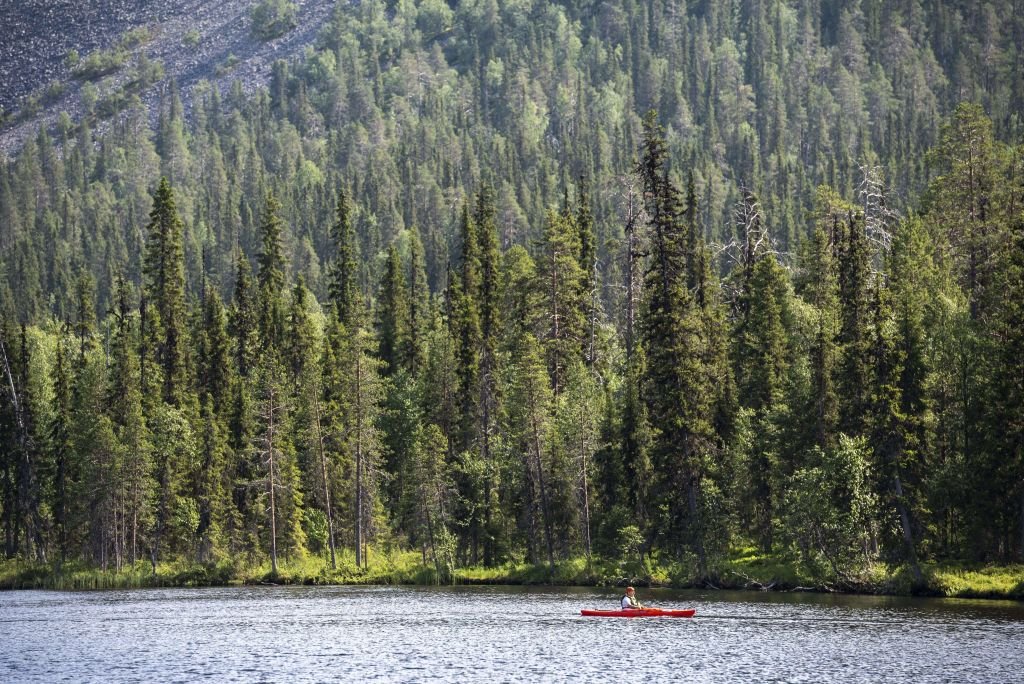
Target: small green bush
100 63
273 18
135 37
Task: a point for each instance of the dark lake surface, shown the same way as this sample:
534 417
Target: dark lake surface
499 634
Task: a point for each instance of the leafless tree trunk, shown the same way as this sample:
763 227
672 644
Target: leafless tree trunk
555 332
270 440
273 507
633 215
592 318
485 445
584 453
539 465
359 460
326 479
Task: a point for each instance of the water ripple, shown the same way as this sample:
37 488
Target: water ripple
494 634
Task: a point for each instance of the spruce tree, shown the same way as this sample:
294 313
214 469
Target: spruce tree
85 314
214 354
393 316
243 320
211 483
560 281
419 305
490 324
853 373
680 401
816 285
343 288
590 292
465 323
164 293
301 335
965 202
271 276
761 360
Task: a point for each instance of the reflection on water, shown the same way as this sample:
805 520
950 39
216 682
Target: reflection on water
499 634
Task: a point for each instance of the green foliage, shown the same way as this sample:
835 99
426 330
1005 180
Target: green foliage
100 63
164 292
555 372
273 18
394 315
135 37
828 513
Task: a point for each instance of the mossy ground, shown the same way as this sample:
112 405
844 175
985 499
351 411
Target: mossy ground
743 569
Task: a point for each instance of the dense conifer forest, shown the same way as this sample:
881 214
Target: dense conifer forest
515 281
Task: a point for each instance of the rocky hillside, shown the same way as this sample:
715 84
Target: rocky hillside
188 40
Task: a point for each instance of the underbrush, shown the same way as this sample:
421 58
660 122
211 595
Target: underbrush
958 580
744 568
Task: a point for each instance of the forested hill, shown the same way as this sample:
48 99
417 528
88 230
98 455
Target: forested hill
507 280
413 105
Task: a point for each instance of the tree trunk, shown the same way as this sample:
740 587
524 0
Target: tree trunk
327 487
486 449
905 523
433 544
545 509
532 553
592 317
586 493
270 486
135 532
486 400
1020 550
820 381
161 518
555 332
631 256
692 487
359 461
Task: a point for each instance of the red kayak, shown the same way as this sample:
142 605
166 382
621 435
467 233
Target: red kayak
639 612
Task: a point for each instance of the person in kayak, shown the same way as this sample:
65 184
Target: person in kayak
629 601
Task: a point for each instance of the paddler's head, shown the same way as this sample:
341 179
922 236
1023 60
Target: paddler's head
630 591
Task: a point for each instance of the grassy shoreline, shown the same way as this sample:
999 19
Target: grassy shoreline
742 571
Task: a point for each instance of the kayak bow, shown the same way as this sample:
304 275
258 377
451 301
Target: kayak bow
639 612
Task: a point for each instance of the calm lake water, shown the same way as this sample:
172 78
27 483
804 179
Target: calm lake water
499 634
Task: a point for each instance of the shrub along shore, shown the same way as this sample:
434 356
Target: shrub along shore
743 570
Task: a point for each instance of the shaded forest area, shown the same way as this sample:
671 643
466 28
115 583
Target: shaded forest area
444 286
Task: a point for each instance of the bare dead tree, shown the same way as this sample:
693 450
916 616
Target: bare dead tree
879 217
584 425
751 242
636 216
269 452
324 474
